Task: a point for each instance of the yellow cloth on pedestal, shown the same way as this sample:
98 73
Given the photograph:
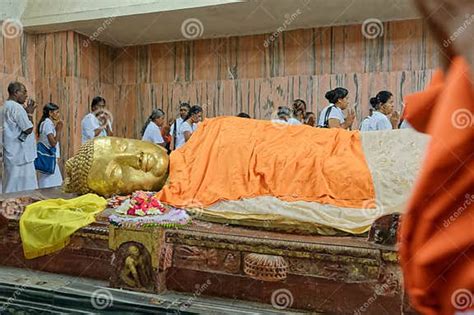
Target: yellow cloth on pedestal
45 226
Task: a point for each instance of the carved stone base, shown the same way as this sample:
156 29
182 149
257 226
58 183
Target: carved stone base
138 257
87 255
343 275
331 275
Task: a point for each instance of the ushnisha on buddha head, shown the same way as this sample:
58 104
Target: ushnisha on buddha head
110 165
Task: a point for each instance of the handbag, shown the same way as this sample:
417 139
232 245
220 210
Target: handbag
45 161
326 117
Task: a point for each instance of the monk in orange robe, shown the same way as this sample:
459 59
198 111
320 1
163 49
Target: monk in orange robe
437 231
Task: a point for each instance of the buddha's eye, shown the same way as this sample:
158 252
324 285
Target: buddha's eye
123 147
140 159
113 171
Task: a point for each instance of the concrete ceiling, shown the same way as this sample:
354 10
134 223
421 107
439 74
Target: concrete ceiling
151 23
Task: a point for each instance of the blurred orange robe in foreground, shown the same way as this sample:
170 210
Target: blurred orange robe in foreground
437 231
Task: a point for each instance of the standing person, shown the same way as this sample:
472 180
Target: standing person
183 112
49 134
152 129
97 122
283 115
364 126
404 124
382 104
19 145
310 119
189 125
243 115
332 116
299 110
165 133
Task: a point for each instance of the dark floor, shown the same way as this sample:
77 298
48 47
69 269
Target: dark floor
24 291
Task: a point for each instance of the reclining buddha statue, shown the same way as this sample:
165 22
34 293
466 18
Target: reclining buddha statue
263 174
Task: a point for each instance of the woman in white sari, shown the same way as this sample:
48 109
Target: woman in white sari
49 134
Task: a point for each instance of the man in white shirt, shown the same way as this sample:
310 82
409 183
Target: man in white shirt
91 125
180 138
19 144
175 127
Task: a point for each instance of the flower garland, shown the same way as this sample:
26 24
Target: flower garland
172 219
142 209
141 203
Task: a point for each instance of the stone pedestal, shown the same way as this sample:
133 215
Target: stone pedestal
343 275
139 258
330 275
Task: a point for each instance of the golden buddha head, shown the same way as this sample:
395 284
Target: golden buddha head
110 165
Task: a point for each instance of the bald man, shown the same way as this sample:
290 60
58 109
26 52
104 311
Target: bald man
19 144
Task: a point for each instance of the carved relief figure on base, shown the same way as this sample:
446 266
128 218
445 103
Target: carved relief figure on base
133 267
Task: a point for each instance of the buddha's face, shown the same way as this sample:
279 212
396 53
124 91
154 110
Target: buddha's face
122 166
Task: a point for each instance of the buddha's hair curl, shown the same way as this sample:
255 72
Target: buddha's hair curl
78 168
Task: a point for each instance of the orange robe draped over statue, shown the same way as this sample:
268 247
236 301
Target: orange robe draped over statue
437 232
229 158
